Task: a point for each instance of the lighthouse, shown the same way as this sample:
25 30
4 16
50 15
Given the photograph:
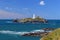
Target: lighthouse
33 16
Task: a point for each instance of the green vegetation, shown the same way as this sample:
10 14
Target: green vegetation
54 35
25 20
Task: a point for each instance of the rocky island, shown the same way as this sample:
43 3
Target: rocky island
34 19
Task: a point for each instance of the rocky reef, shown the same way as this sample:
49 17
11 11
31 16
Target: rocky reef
41 33
31 20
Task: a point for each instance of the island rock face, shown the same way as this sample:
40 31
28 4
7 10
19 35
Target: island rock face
54 35
31 20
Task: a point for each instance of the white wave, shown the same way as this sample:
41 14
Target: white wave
9 22
21 33
13 32
37 31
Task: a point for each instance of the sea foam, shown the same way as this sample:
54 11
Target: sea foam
12 32
20 33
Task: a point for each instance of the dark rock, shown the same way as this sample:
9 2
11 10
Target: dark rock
39 33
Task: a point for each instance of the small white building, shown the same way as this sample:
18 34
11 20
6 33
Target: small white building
33 16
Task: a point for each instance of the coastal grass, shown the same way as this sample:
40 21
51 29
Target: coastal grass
54 35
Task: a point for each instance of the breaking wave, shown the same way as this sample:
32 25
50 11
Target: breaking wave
12 32
20 33
34 31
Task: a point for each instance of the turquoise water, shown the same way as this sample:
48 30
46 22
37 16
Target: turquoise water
8 29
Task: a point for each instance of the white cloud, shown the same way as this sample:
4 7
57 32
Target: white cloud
10 15
7 8
42 3
25 8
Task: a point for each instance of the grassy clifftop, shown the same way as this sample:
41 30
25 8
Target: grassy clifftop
54 35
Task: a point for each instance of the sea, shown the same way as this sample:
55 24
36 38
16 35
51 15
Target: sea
10 30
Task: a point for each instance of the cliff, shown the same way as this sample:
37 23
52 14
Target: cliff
54 35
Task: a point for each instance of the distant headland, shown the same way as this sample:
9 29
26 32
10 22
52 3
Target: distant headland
34 19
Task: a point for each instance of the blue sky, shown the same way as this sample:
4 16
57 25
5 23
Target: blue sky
12 9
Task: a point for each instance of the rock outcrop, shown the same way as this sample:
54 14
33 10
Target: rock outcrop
41 33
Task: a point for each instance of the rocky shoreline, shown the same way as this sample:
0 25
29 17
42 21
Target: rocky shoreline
40 33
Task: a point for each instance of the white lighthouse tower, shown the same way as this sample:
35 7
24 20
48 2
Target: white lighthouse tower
33 16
